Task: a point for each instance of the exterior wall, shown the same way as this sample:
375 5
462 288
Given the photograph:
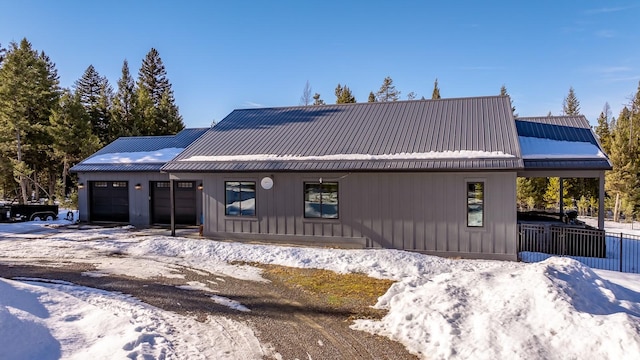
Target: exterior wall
139 204
424 212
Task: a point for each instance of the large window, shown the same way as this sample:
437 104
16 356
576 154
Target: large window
475 204
240 198
321 200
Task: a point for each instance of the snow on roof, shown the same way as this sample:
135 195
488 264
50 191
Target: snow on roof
539 148
157 156
461 154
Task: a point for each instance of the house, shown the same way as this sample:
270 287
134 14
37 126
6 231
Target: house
122 182
434 176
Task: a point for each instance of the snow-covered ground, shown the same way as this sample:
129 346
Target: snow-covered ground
438 308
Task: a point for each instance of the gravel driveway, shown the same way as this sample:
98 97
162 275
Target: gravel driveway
290 322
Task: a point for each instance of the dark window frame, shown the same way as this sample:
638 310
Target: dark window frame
476 200
321 207
240 210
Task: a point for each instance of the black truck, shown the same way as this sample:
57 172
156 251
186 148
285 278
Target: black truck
28 212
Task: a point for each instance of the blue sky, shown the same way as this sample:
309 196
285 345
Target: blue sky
222 56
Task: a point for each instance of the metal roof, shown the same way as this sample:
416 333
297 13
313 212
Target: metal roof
563 128
566 128
476 124
139 144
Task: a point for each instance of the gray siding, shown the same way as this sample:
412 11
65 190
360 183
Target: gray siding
139 205
414 211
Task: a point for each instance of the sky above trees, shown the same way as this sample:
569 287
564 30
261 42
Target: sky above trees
222 56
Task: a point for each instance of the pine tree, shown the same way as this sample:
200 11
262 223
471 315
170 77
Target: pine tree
317 100
343 95
123 122
158 112
96 95
571 105
69 124
619 180
387 91
436 91
305 99
411 96
503 92
28 92
372 97
602 129
552 195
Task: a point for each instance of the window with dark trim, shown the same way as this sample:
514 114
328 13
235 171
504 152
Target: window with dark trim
321 200
240 198
119 184
475 204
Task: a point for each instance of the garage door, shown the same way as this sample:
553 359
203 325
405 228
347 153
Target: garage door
109 201
185 195
185 192
160 202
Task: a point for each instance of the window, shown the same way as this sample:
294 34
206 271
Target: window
475 204
321 200
100 184
185 184
162 184
240 198
119 184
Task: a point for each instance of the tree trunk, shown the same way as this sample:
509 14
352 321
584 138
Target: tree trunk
22 178
616 208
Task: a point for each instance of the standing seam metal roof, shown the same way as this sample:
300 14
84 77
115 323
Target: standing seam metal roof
562 128
479 123
139 144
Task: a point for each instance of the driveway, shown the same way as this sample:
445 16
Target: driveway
288 321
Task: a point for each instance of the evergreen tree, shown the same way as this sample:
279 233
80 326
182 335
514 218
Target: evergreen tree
436 91
2 52
158 112
503 92
28 92
552 195
602 129
305 99
317 100
620 179
571 105
123 109
372 97
343 95
69 124
387 91
96 95
411 96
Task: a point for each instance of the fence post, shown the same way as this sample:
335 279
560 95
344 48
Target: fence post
620 252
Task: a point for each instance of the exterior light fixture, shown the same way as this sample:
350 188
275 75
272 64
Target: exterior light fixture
138 186
81 186
200 187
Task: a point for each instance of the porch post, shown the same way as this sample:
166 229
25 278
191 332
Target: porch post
561 198
173 207
601 201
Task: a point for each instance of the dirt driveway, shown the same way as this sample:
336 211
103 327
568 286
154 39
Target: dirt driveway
294 325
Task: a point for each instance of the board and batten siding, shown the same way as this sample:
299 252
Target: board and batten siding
424 212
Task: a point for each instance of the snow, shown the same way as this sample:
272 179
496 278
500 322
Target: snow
539 148
157 156
437 308
431 155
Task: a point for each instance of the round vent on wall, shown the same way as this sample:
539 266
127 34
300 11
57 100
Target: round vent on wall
266 183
